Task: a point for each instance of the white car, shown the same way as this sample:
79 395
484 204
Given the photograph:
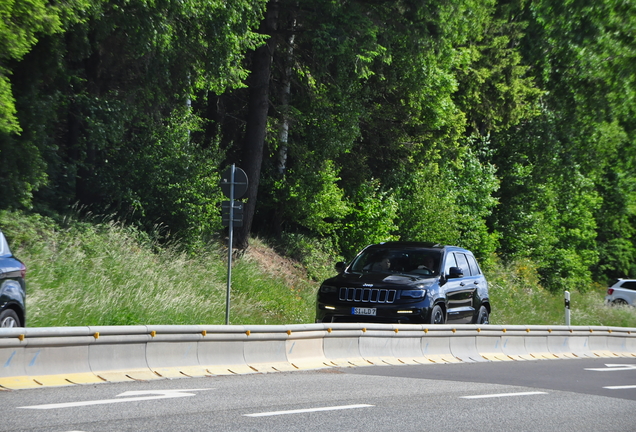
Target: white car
623 292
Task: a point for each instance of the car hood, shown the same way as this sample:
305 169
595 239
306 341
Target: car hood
395 280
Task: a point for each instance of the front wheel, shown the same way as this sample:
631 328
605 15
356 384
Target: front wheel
483 317
8 318
437 315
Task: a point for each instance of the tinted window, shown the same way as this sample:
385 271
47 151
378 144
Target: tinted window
462 263
402 260
631 285
474 268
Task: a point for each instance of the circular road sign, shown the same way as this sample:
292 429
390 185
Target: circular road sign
240 182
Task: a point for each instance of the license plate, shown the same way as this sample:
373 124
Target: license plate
363 311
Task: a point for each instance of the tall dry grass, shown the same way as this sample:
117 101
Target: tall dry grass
107 273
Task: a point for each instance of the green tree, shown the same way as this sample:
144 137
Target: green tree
557 167
22 23
113 108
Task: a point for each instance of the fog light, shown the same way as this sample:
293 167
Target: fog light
330 308
405 311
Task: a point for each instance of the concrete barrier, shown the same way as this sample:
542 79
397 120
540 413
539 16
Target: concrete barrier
622 342
376 346
537 346
341 345
265 349
599 342
406 344
436 344
493 346
13 360
463 344
118 353
173 352
221 351
304 347
35 357
568 343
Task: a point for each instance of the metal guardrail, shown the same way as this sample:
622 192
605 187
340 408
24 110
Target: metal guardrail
57 356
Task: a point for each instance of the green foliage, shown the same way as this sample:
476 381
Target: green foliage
502 126
450 204
518 297
316 255
315 200
21 22
428 209
109 101
495 90
548 206
170 179
372 220
474 181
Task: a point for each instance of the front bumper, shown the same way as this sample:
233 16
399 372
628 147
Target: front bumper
393 314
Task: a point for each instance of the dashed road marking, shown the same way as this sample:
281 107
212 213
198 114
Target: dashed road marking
498 395
621 387
138 396
308 410
614 368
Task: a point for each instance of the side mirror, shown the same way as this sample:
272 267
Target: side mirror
340 266
455 272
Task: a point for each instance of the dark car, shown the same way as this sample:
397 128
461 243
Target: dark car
406 282
12 287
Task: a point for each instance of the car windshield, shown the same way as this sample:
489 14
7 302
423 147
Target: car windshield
424 262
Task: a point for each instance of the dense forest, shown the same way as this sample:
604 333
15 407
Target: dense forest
504 126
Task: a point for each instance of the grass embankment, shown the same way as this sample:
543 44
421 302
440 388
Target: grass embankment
107 274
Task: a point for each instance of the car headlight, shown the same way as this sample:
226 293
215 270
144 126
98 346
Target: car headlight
416 293
326 289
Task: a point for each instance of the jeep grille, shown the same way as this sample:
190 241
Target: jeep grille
367 295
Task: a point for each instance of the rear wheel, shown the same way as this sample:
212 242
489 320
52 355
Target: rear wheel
619 302
483 317
9 318
437 315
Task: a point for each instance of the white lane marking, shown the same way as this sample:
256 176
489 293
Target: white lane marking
614 367
158 394
501 395
620 387
300 411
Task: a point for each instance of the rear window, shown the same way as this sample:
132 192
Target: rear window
630 285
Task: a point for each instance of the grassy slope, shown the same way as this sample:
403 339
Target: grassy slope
108 274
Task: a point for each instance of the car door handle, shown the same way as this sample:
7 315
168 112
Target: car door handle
476 282
462 283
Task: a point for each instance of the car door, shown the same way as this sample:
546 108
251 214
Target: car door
460 291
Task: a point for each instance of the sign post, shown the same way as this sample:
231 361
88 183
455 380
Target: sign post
234 185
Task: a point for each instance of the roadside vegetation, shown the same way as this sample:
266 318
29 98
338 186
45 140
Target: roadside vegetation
107 273
505 127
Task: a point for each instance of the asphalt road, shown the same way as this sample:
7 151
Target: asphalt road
562 395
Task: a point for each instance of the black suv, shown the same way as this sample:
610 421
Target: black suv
406 282
12 287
